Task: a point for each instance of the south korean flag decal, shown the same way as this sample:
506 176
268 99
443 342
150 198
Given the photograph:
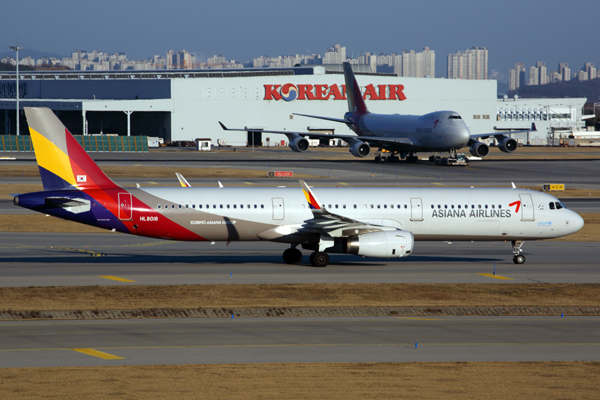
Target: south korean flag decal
81 178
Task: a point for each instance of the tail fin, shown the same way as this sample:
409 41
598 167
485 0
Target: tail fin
356 104
63 163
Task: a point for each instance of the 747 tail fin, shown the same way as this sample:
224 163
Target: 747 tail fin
63 163
356 103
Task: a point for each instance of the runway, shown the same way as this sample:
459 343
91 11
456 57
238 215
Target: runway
298 340
58 259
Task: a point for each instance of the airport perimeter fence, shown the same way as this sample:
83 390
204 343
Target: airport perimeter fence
101 144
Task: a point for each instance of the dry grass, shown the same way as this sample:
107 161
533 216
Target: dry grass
32 171
299 295
458 380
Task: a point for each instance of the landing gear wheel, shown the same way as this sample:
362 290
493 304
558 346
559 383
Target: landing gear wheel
292 256
520 259
377 158
319 259
432 159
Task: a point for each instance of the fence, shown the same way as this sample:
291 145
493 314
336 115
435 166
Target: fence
114 144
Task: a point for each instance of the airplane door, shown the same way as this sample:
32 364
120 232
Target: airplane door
125 212
416 210
526 207
277 208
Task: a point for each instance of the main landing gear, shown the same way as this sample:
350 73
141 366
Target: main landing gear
317 258
292 255
518 258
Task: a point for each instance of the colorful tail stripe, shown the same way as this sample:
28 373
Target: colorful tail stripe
63 163
313 203
356 103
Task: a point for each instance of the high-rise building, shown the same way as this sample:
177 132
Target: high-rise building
543 75
591 70
468 64
335 55
534 77
416 65
516 77
564 71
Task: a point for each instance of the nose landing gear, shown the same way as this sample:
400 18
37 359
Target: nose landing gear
518 258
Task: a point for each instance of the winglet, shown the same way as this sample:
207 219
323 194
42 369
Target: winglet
533 128
182 180
513 185
223 126
313 203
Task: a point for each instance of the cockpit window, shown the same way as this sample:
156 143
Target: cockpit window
551 205
559 205
454 117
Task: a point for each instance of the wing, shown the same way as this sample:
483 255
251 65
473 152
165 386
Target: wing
350 139
499 136
343 121
334 225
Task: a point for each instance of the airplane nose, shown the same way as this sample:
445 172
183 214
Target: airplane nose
575 222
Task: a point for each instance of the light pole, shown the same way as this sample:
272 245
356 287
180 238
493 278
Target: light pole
17 48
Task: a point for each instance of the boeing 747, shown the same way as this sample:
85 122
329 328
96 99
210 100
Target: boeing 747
400 136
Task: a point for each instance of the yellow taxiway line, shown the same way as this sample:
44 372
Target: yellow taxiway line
496 276
99 354
115 278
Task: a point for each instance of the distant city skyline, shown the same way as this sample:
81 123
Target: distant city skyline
512 32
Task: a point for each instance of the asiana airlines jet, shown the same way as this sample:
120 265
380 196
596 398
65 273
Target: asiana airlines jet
370 222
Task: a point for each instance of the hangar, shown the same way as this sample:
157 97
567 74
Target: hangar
187 104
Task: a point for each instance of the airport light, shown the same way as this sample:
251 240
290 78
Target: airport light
17 48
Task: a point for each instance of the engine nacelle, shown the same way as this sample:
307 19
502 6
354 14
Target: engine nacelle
299 144
507 145
385 244
479 149
360 149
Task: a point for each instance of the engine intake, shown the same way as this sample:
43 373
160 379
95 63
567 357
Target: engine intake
479 149
385 244
299 144
360 149
507 145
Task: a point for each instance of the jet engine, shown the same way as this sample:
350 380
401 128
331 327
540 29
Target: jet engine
507 145
386 244
360 149
299 144
479 149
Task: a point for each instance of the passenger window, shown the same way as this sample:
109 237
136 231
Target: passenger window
478 205
452 206
158 206
432 206
355 206
255 206
551 205
241 206
499 206
445 205
336 206
344 206
173 206
439 206
405 206
385 206
391 206
234 206
199 205
262 206
220 205
214 206
378 206
227 205
459 206
179 206
187 206
371 205
486 206
493 206
193 206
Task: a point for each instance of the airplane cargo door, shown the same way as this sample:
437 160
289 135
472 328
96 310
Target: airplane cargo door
416 210
125 213
277 208
526 207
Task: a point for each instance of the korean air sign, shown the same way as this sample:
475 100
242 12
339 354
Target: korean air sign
290 92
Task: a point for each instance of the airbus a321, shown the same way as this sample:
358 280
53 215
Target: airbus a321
370 222
401 136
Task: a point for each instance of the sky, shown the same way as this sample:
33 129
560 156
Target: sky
513 31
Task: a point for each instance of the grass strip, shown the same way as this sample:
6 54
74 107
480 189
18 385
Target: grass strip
346 381
81 298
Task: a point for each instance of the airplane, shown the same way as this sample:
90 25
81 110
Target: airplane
369 222
400 136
